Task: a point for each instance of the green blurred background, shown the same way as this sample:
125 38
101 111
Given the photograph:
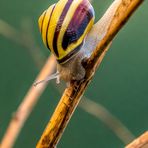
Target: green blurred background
120 84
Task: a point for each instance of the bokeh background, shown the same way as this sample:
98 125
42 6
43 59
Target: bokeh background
120 84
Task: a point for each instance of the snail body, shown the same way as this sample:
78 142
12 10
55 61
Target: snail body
64 27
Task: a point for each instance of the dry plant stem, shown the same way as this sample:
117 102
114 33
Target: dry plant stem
140 142
98 111
24 39
26 106
124 11
101 113
62 114
72 95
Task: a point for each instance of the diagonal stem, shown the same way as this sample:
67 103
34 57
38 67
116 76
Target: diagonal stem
121 10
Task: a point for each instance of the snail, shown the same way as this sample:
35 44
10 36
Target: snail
64 27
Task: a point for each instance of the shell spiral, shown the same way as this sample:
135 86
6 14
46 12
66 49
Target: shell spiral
64 26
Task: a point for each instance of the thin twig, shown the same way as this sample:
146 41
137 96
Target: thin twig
121 16
140 142
120 13
101 113
27 105
24 39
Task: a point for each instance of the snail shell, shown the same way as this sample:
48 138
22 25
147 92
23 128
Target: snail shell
64 27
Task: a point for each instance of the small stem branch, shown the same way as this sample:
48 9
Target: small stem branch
24 39
111 121
26 106
140 142
122 14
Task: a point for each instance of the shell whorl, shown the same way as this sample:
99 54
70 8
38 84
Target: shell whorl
64 26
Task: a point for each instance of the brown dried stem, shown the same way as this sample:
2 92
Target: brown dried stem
110 24
24 39
98 111
26 106
140 142
112 122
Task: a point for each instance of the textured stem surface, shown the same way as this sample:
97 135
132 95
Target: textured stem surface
108 26
25 108
140 142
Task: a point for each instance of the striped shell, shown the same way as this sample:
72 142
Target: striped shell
64 26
